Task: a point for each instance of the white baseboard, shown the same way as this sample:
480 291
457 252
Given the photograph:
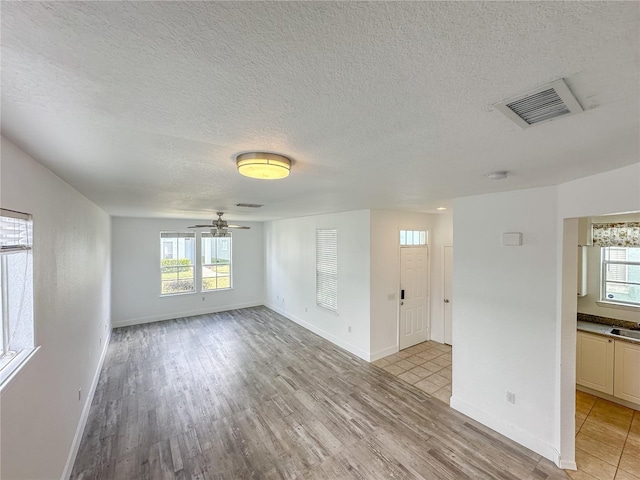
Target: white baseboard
384 353
88 399
191 313
333 339
516 434
566 465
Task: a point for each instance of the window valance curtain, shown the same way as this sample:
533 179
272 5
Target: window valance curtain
616 234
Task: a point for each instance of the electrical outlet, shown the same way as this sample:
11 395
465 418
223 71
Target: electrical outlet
203 299
511 397
79 394
349 328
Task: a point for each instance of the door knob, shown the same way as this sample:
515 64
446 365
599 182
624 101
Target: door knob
401 303
446 300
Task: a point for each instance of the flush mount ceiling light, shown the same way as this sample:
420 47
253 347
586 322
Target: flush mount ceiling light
265 166
441 209
500 175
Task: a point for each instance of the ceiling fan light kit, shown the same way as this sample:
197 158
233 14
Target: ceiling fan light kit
264 166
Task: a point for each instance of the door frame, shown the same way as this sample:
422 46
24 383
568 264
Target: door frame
398 316
444 283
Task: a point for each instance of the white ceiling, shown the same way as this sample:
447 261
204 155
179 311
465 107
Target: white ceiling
143 106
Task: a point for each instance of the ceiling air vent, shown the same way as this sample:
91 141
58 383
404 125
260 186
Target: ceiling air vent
541 105
248 205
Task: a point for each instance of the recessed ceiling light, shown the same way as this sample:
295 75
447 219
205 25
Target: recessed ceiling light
499 175
440 209
262 165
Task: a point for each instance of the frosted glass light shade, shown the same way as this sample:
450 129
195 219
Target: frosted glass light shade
265 166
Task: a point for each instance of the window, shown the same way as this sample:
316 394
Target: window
327 269
177 262
621 275
413 237
16 290
216 262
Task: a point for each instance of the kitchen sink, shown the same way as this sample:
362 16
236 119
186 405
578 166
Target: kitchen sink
623 332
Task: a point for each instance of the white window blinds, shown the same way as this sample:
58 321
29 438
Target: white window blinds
15 231
327 269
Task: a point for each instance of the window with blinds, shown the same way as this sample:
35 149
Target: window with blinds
16 290
327 269
621 275
177 262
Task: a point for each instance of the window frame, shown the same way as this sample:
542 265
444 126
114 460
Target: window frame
204 235
13 358
604 263
197 263
179 234
403 237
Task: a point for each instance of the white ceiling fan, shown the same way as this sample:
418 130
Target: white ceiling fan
219 227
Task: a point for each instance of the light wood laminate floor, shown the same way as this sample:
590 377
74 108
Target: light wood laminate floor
250 394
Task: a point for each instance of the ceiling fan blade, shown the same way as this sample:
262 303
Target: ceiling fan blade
201 226
238 227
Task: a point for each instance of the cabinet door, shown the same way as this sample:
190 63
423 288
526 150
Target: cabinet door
595 362
627 371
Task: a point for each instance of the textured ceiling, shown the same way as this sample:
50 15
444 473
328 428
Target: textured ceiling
143 106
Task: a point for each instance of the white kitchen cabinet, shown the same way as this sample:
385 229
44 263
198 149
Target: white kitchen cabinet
595 357
627 371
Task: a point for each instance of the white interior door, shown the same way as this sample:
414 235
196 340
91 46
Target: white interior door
448 299
414 289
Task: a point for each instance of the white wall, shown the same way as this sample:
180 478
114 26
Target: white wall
504 327
385 273
514 325
290 276
136 273
39 409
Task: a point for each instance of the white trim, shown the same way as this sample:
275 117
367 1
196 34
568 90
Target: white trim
21 361
170 316
516 434
88 400
385 352
335 340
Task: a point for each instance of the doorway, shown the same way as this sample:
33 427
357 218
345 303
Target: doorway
413 296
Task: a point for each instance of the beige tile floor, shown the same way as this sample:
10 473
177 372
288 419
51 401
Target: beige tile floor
426 365
607 440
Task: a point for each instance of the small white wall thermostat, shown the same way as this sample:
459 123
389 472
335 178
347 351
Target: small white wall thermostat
511 239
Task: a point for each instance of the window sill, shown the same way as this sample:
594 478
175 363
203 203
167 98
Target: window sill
203 292
11 370
619 306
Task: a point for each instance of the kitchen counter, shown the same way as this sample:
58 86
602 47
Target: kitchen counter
604 330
